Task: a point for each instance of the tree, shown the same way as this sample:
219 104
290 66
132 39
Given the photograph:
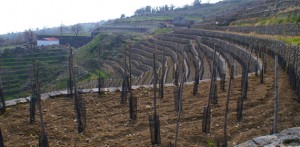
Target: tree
29 36
185 7
153 10
2 41
76 29
62 28
122 16
172 7
197 3
148 9
162 8
166 8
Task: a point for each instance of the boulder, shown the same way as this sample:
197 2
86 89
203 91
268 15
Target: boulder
21 100
287 137
10 103
45 96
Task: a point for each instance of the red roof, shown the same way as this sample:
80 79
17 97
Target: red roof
51 39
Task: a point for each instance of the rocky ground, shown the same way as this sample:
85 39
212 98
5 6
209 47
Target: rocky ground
108 122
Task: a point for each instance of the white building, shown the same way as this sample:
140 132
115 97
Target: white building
47 41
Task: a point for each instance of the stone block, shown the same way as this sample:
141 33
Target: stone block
10 103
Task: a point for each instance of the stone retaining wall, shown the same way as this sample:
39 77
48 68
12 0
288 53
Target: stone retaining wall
287 137
280 29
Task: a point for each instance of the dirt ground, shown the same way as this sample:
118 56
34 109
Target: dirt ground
108 122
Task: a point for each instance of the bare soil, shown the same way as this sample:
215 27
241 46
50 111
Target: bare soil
108 122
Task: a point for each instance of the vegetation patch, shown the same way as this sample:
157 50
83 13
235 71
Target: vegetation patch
161 31
290 40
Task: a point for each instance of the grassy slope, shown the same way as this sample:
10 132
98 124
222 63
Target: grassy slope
281 17
112 46
15 69
190 13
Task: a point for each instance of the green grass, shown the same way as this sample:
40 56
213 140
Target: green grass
50 63
62 83
279 19
290 40
144 18
161 31
274 20
93 75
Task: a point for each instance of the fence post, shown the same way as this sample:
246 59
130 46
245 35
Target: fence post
274 130
132 99
227 109
70 72
206 111
154 119
3 107
99 73
196 82
125 82
179 108
161 84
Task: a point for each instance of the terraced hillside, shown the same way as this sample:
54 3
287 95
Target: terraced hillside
183 51
206 50
16 69
257 16
108 122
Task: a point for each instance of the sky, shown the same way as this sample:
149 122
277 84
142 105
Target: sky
20 15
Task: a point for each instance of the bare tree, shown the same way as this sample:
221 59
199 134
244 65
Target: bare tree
197 3
76 29
62 28
122 16
29 36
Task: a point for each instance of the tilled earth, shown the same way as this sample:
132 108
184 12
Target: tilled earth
108 122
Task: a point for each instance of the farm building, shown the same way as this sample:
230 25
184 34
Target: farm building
47 41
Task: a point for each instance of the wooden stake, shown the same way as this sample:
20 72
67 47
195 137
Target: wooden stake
227 108
3 107
155 76
99 76
179 109
274 130
70 72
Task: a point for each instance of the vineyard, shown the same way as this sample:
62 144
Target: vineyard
199 86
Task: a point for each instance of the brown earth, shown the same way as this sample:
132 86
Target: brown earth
108 122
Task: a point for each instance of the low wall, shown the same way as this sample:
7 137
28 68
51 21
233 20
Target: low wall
280 29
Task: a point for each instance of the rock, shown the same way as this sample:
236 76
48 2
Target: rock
247 144
28 98
135 87
10 103
265 140
21 100
287 137
54 94
86 90
291 142
45 96
95 90
146 86
290 132
64 92
112 89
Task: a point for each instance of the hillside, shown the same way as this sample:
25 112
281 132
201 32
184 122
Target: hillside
16 69
233 38
108 121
